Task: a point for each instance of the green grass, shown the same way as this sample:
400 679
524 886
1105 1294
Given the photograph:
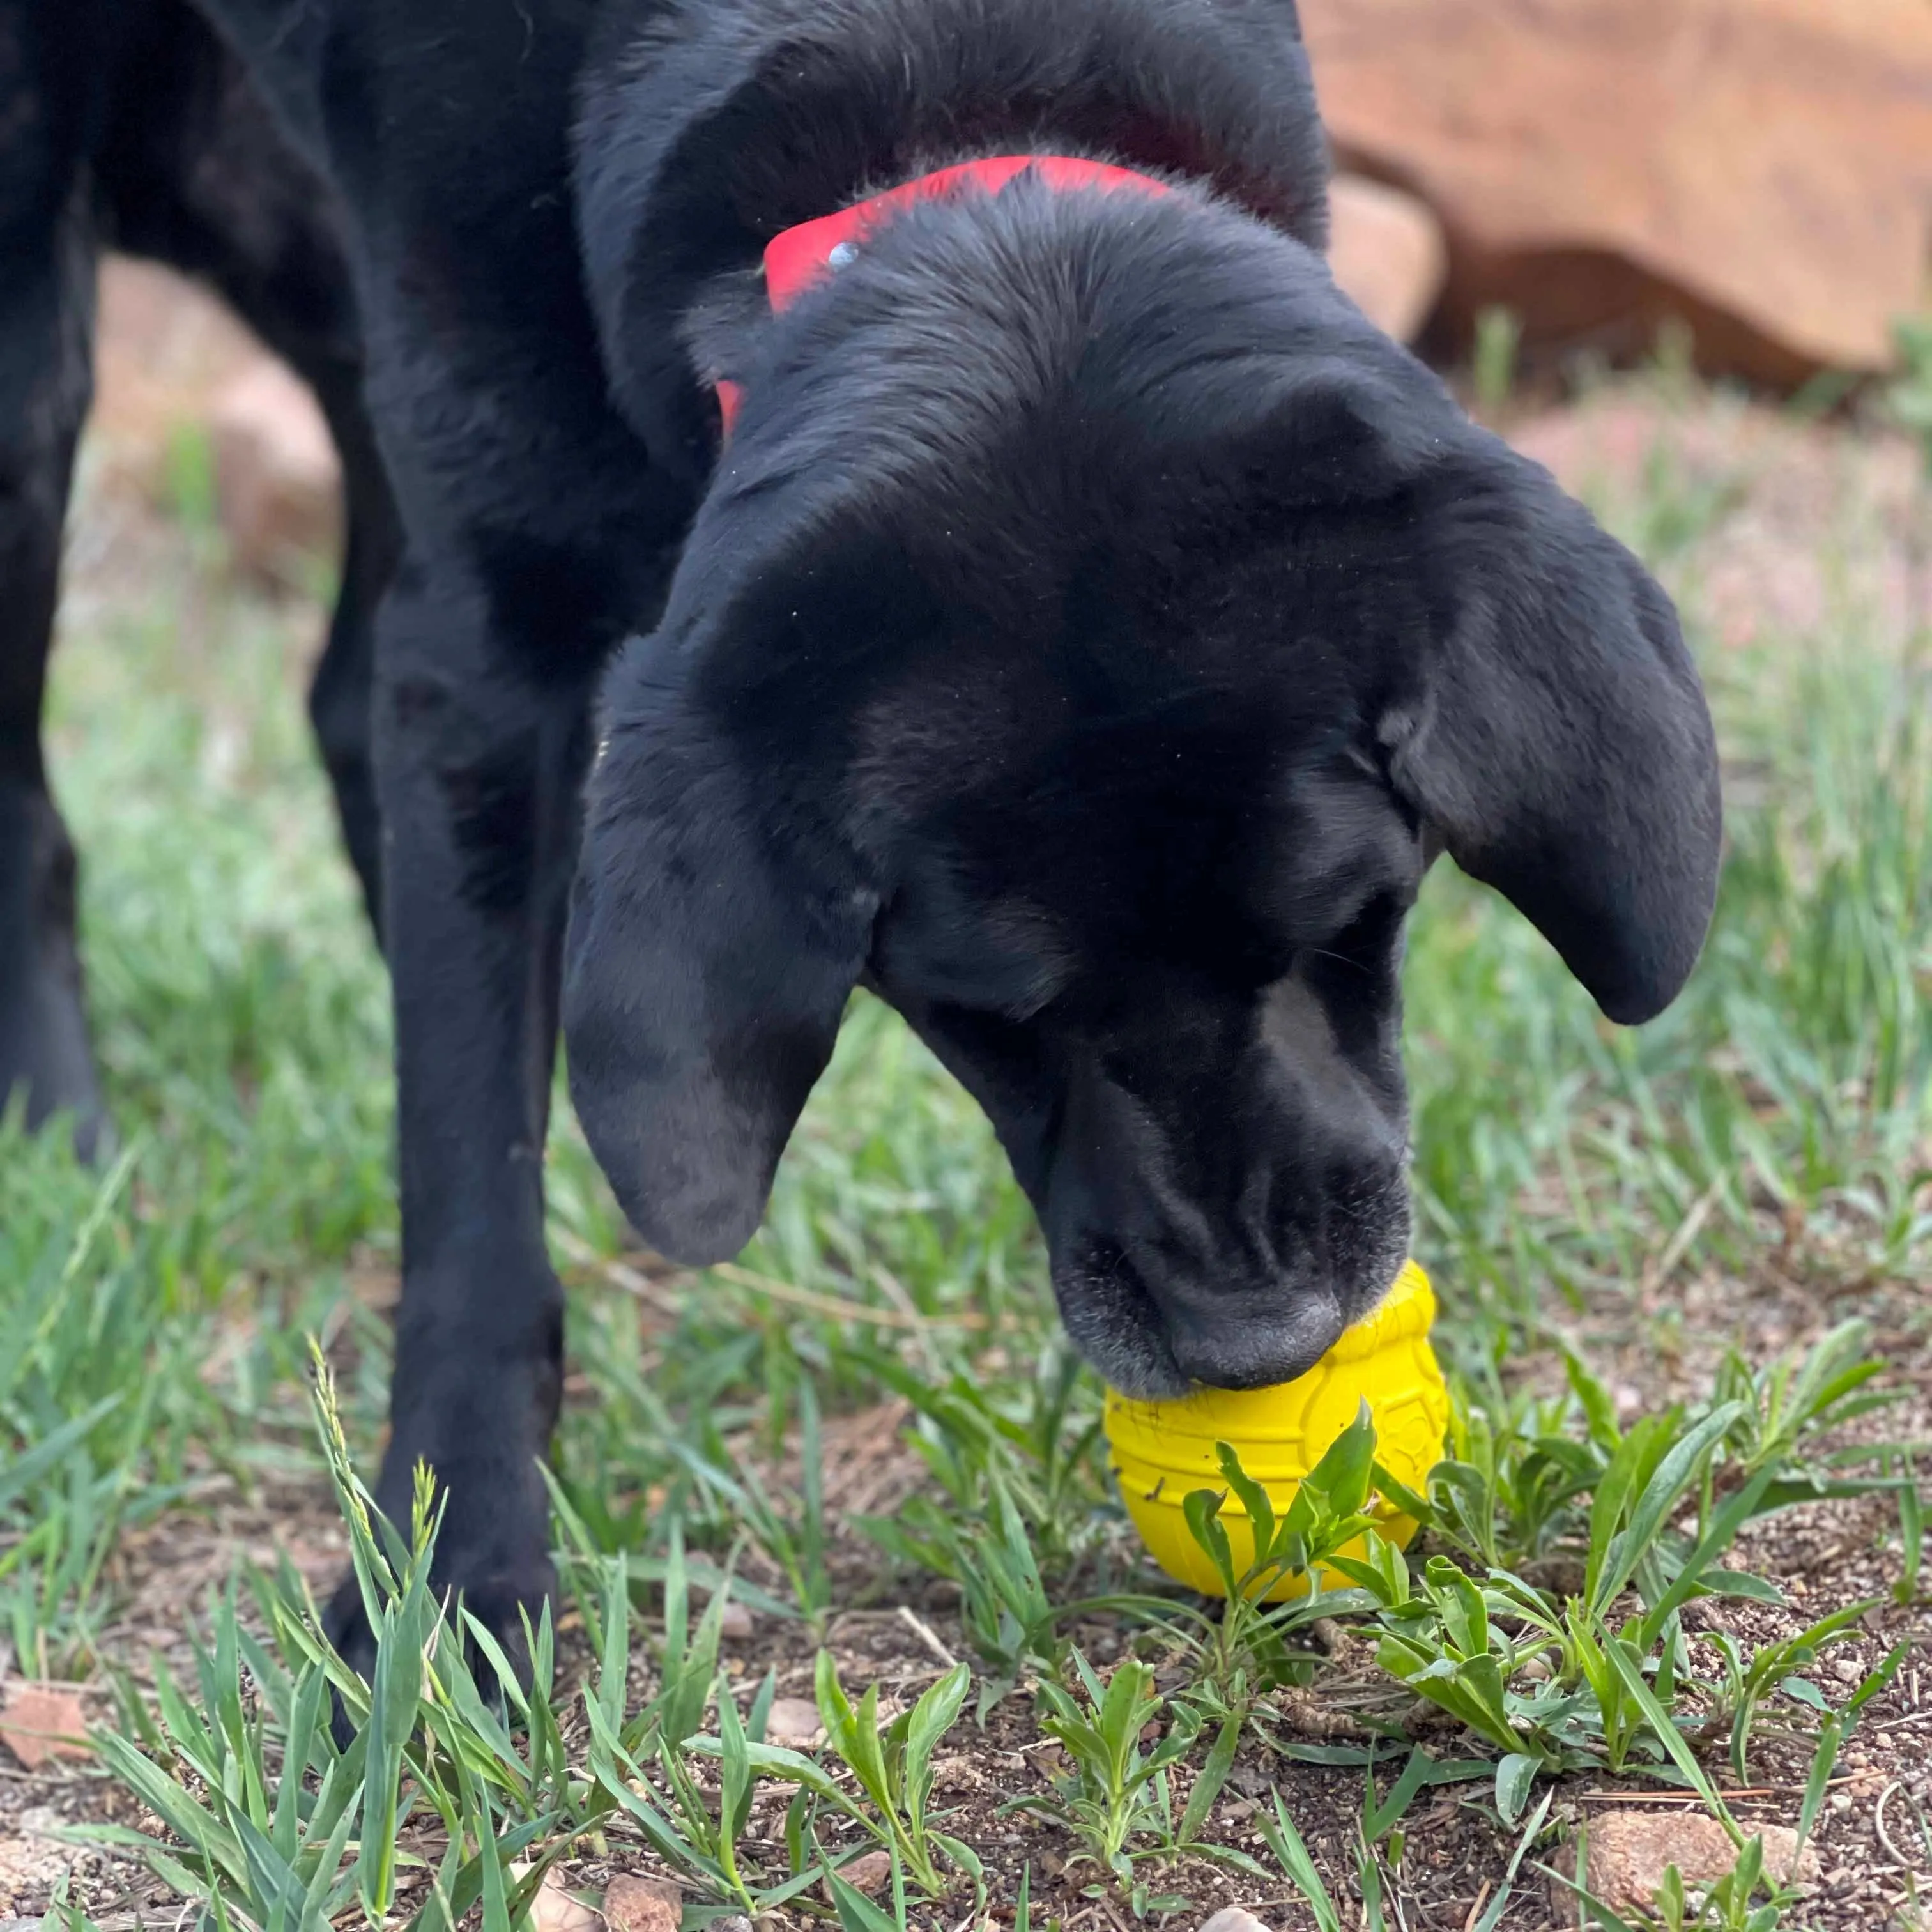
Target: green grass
163 1306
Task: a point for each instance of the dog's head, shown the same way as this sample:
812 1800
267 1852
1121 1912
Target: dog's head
1094 629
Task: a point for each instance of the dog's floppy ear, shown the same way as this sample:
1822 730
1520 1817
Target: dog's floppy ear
1556 735
715 938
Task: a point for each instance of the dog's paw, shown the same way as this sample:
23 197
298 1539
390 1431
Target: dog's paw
500 1603
492 1554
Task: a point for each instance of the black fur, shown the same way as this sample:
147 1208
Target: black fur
709 125
129 123
1091 631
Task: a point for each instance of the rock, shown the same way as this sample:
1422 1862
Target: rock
1763 167
959 1774
163 349
736 1625
794 1723
1233 1919
633 1904
170 359
1630 1852
554 1910
41 1722
1387 253
277 475
870 1872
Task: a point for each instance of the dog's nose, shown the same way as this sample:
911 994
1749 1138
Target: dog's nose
1234 1348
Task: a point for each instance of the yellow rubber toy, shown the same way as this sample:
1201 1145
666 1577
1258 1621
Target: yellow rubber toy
1163 1450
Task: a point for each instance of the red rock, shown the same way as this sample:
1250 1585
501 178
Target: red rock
276 472
1387 253
1762 167
870 1872
41 1722
633 1904
163 349
1630 1852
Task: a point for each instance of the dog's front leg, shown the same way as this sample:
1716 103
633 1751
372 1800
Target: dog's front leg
478 770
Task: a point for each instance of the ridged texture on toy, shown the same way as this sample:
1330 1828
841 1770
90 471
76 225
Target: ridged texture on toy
1163 1450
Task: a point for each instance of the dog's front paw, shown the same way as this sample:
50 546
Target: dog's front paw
498 1598
492 1547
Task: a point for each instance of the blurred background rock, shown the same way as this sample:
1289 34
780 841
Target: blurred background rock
1761 169
188 405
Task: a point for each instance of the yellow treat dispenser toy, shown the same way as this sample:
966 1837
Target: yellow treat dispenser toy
1163 1450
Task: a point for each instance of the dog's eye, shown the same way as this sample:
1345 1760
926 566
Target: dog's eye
1370 936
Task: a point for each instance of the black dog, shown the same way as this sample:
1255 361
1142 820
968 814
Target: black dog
1089 634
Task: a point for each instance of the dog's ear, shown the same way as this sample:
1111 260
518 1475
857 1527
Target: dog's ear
1556 734
715 938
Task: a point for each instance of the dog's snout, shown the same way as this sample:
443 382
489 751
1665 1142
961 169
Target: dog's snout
1246 1347
1219 1215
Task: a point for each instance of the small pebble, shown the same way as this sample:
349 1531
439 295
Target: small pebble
870 1872
633 1904
794 1723
554 1910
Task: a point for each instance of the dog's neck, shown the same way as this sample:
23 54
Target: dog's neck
710 126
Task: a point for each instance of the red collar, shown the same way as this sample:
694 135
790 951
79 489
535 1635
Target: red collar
800 257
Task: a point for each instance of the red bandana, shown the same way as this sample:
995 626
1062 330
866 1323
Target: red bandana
799 256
